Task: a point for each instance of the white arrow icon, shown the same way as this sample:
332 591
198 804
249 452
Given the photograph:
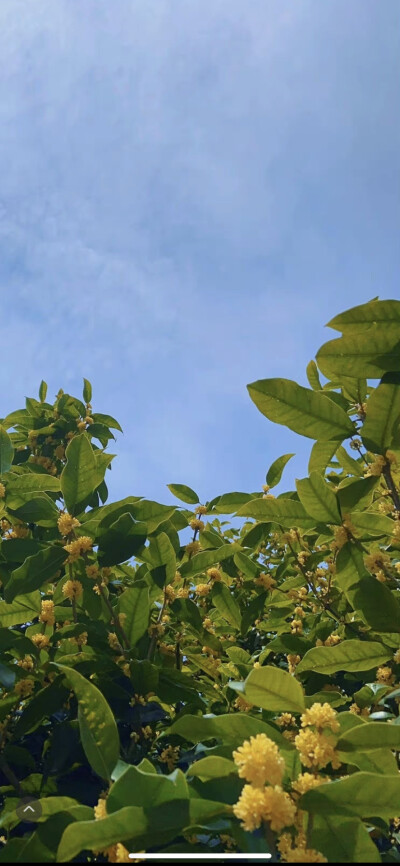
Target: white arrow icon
30 809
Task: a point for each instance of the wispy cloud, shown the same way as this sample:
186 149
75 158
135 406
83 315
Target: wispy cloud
189 191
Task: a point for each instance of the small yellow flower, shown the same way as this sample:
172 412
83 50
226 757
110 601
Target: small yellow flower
265 580
320 716
396 657
41 641
250 808
270 804
203 588
259 761
377 560
242 705
2 491
384 675
72 589
315 750
23 688
214 574
66 523
78 546
192 548
93 572
200 509
306 781
296 626
26 663
47 612
293 661
304 855
170 757
100 811
197 524
285 720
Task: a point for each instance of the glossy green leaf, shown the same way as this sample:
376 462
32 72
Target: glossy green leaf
371 523
313 376
232 729
99 733
350 655
36 508
275 471
212 767
136 787
231 502
42 391
135 604
318 499
35 572
307 412
286 512
321 454
31 482
373 600
6 451
343 840
22 609
205 559
87 391
362 794
273 689
383 414
78 478
226 604
184 493
369 353
361 317
376 735
122 540
357 494
108 420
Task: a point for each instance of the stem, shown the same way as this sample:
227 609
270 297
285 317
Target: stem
74 614
270 840
114 617
391 486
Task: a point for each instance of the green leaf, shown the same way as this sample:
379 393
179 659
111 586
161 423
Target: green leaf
353 467
42 391
357 495
372 599
275 471
383 414
136 787
135 604
161 552
108 420
307 412
49 806
78 478
231 502
313 376
6 451
376 735
98 729
212 767
369 353
184 493
370 523
35 571
205 559
226 604
361 794
121 826
350 655
123 539
343 840
37 508
321 454
274 690
31 482
285 512
21 610
87 391
318 499
232 729
364 315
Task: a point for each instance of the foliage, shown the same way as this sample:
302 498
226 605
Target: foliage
171 683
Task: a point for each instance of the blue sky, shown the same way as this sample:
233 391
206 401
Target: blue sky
190 190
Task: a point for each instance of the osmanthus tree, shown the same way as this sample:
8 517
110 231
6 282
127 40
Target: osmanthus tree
238 692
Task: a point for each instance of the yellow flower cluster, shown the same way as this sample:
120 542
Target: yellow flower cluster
66 523
41 641
285 720
200 509
256 805
298 853
47 612
384 675
293 661
265 580
376 468
306 781
72 589
315 748
203 589
170 756
78 546
26 663
396 657
377 560
23 688
2 491
242 705
192 548
214 574
259 761
197 524
93 572
296 626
